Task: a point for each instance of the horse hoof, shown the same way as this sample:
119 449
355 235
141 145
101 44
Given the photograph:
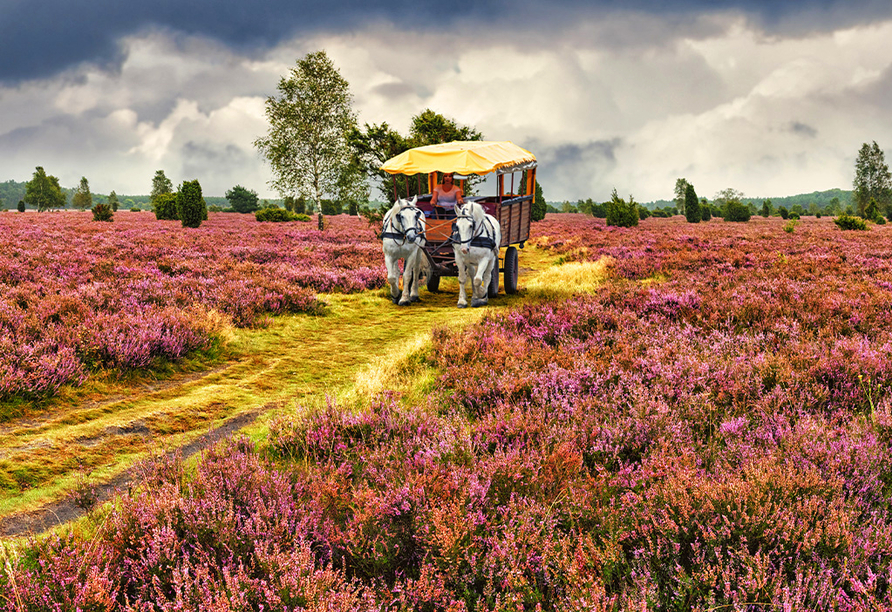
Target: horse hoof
462 305
414 298
478 303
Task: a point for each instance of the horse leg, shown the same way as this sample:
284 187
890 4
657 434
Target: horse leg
462 279
393 277
415 271
481 288
409 281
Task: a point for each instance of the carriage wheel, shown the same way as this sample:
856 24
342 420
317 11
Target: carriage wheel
493 289
511 270
433 283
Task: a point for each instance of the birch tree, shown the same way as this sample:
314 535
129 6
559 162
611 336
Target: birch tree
306 145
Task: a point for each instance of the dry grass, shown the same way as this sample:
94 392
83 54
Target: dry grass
570 278
360 346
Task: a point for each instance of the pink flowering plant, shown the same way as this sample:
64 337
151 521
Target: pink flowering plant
716 438
75 297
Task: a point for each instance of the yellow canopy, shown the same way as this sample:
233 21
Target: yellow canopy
464 157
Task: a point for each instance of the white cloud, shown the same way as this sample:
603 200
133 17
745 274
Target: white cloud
631 101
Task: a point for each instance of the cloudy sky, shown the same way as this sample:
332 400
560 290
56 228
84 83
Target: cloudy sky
770 97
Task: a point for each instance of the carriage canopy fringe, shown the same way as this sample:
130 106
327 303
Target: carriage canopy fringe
463 157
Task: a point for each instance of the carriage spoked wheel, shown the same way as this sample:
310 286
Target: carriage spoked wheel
511 270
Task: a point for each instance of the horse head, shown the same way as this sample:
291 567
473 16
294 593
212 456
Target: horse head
406 220
468 221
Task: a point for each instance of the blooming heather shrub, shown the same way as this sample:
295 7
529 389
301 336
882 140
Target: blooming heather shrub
719 439
77 295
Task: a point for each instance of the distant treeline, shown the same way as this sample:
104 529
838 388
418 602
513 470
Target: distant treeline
11 192
830 201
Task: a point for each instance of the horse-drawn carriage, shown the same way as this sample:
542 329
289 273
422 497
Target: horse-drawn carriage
511 206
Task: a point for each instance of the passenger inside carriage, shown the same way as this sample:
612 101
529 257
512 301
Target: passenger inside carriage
445 197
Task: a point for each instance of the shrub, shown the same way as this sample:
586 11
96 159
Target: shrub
790 226
242 199
166 207
331 207
737 211
190 205
881 221
692 205
794 216
296 205
643 213
620 213
135 209
102 212
872 211
278 215
705 210
849 222
21 206
783 212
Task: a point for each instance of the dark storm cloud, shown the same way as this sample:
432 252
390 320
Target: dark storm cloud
803 129
43 37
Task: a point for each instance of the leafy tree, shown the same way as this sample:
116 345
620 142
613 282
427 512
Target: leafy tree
161 185
621 213
241 200
331 207
705 210
872 212
731 204
296 205
766 208
540 206
307 145
353 188
191 208
82 199
43 191
375 144
691 205
429 127
872 179
834 207
681 187
113 201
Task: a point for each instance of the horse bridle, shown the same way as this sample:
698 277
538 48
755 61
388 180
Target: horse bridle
403 233
484 232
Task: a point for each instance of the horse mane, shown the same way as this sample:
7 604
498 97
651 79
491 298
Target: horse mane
478 212
401 204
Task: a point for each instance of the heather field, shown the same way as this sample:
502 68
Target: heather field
79 297
707 426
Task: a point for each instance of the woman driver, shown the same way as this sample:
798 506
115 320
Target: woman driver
446 196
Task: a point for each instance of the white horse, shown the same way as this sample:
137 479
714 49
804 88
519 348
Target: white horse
404 238
476 241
